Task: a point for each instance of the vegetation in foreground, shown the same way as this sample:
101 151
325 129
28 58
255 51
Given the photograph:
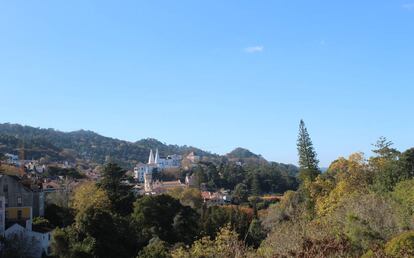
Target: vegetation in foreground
360 207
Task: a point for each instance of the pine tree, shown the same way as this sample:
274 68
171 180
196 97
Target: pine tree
255 187
308 161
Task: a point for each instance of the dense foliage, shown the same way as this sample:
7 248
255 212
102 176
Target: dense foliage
107 221
246 180
359 206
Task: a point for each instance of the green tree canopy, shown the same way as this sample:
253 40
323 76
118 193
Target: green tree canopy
308 161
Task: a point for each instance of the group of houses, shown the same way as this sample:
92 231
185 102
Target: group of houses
143 174
22 196
20 202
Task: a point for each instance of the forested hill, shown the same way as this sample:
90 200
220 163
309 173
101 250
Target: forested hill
82 145
241 153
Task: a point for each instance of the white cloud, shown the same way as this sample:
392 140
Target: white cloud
408 6
254 49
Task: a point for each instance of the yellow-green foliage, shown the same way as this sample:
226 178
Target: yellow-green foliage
350 175
88 195
226 244
401 245
404 193
187 196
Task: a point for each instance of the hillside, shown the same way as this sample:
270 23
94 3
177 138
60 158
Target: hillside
241 153
82 145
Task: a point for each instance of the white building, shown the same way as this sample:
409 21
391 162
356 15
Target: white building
12 159
38 242
171 161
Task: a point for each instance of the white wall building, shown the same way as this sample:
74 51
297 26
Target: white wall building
171 161
12 159
39 242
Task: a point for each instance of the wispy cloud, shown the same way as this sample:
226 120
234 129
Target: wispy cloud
408 6
254 49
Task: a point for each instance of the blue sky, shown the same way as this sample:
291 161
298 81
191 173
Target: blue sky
214 74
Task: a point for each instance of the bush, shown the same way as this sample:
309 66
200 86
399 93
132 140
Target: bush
401 245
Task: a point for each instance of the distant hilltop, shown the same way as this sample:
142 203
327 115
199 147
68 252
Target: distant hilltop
89 147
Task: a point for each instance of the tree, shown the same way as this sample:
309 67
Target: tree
88 195
67 244
59 216
407 163
308 161
255 185
111 233
215 217
164 217
155 249
187 196
225 244
119 194
200 175
383 148
386 168
256 233
240 193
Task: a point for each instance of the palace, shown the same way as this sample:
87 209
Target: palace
156 162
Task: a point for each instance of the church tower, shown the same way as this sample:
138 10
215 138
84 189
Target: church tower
151 158
147 182
157 157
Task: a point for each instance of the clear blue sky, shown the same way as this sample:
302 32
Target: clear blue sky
214 74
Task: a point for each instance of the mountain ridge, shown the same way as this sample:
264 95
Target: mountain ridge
93 147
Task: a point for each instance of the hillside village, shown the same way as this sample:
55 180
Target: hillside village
29 187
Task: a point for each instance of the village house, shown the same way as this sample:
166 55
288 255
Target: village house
216 198
19 204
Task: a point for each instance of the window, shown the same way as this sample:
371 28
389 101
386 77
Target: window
19 201
19 214
5 188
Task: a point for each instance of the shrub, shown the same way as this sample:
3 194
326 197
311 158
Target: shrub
401 245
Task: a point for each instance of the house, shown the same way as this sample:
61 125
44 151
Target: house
51 186
216 198
21 203
39 239
139 171
35 167
12 159
158 187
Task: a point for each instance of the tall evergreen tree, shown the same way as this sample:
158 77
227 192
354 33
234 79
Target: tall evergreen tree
119 193
308 161
255 185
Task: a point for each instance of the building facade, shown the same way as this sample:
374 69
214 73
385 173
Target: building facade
156 162
21 203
